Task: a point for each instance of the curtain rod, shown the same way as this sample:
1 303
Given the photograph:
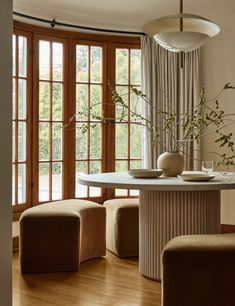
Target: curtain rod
54 23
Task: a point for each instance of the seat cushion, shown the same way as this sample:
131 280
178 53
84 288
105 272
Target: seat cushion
199 270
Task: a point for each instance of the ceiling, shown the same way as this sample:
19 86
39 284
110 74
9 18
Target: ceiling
129 15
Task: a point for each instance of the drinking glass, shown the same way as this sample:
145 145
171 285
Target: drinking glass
207 166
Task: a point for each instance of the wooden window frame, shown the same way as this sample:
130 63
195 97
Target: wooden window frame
70 39
72 139
112 114
18 208
36 119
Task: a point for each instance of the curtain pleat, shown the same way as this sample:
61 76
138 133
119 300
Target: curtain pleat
169 88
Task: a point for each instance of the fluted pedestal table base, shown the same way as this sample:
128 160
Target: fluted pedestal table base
167 214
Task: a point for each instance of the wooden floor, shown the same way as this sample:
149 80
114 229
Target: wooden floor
105 281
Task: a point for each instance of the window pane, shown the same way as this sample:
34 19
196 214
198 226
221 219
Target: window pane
121 143
44 60
122 112
21 183
22 99
44 101
135 67
134 193
43 193
44 141
82 63
136 107
22 49
13 184
57 101
56 141
95 141
81 141
81 102
21 141
95 167
57 61
122 60
135 141
135 164
56 181
121 166
95 101
14 55
13 141
13 98
121 193
94 192
96 64
81 169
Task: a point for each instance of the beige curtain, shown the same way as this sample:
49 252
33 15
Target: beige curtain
170 88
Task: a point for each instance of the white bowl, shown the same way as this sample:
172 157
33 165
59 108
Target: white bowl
194 177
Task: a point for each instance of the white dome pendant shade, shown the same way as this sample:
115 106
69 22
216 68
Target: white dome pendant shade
181 32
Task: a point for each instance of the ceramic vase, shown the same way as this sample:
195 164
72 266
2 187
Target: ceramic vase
172 163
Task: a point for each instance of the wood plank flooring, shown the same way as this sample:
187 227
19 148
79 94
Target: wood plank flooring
107 281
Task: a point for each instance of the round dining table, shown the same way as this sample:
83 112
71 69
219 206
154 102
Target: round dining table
169 207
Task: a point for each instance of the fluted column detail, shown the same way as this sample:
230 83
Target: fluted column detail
167 214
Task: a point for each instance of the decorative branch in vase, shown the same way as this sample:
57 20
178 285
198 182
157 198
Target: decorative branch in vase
205 118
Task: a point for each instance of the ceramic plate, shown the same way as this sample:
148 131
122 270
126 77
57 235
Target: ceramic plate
196 177
145 173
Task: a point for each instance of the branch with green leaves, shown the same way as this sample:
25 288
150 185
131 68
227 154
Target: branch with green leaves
204 118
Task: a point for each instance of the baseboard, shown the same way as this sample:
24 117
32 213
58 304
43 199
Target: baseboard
15 244
227 228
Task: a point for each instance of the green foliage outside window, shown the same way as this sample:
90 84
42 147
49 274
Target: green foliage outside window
96 101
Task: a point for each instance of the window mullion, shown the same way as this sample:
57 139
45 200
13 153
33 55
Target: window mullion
129 105
16 118
89 116
50 124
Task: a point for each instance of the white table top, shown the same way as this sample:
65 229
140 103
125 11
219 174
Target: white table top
122 180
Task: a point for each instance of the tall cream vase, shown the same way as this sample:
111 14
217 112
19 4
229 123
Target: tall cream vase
172 163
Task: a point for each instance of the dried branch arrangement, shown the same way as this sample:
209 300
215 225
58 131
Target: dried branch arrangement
207 117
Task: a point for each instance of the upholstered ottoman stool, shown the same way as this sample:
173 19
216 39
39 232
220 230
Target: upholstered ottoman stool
122 227
199 271
58 236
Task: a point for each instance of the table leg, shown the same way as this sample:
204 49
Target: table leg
167 214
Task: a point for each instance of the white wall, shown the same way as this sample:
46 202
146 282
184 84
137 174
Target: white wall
5 151
219 68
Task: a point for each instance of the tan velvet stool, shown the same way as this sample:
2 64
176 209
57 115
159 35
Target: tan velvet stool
122 227
58 236
199 270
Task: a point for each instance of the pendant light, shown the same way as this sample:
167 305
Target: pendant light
181 32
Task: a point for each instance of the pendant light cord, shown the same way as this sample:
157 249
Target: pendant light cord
181 30
181 18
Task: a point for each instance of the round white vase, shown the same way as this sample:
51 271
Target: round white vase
172 163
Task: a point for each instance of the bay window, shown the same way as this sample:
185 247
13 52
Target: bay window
62 83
